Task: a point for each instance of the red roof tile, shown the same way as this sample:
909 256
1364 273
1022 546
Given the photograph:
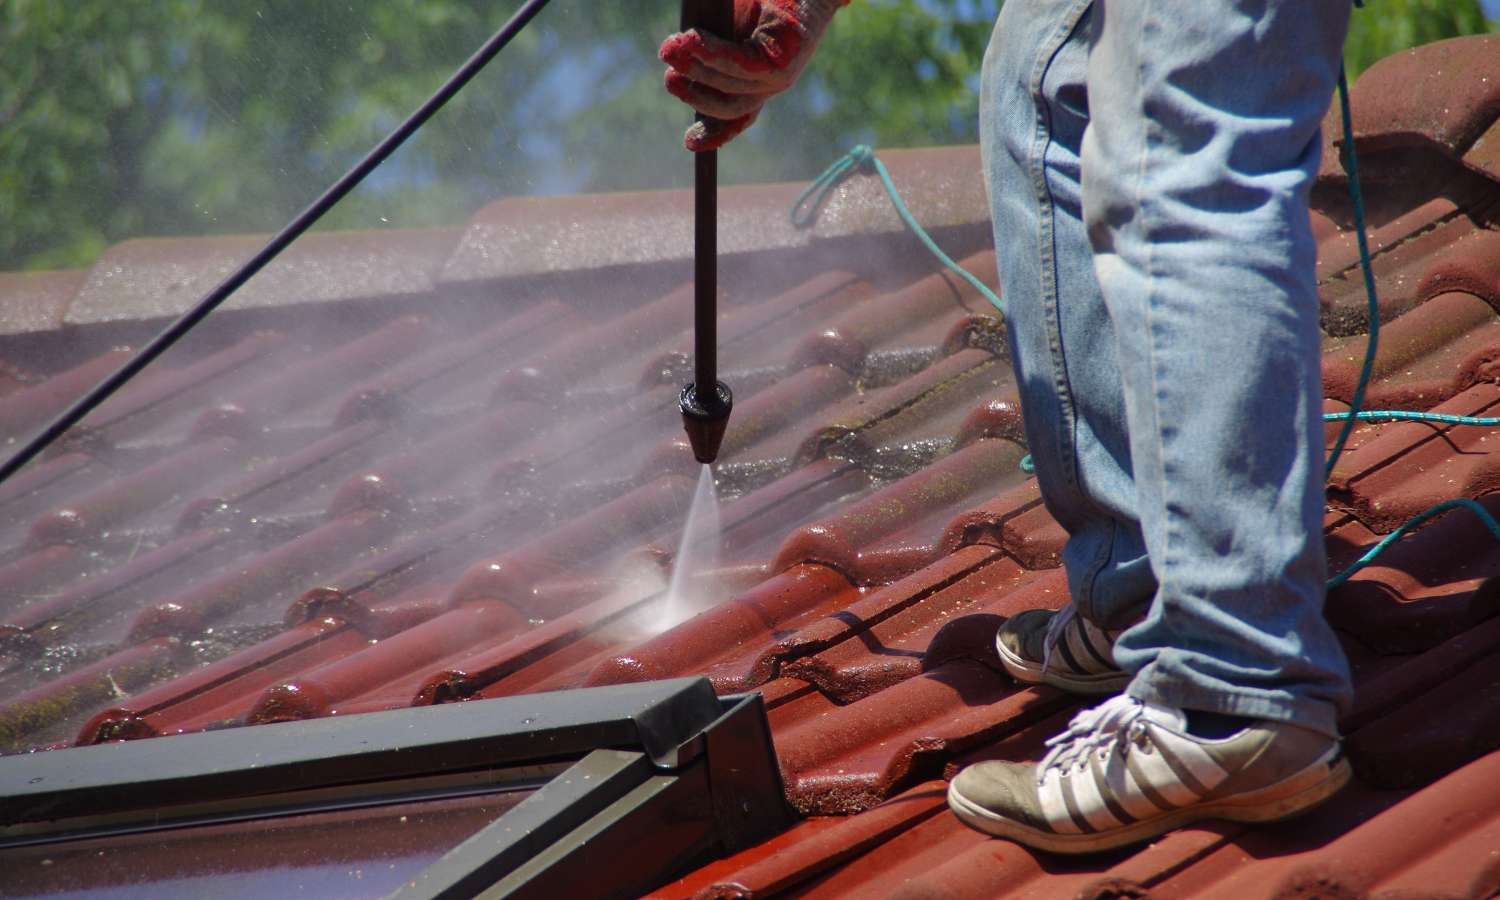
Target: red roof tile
473 486
527 236
1484 155
36 301
1440 94
152 278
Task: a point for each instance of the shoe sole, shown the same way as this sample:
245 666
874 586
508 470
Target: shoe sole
1286 798
1025 670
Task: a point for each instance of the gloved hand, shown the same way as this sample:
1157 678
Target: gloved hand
731 79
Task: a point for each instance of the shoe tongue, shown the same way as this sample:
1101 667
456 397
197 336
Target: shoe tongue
1169 717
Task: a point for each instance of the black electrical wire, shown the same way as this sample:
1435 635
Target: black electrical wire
294 229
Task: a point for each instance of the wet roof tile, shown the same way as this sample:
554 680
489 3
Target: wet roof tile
730 641
224 690
28 407
842 759
480 493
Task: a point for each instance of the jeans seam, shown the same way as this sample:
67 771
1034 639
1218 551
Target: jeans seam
1067 426
1041 142
1139 202
1096 569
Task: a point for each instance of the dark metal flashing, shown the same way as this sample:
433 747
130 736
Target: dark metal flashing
740 754
668 758
281 758
605 856
581 835
504 847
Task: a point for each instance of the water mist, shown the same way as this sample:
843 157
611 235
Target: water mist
697 554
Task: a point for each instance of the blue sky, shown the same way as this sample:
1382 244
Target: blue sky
1491 8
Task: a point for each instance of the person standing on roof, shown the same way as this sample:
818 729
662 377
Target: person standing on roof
1148 164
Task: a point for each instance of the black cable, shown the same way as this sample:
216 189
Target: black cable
305 220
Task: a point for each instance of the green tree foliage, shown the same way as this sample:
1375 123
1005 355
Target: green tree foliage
198 116
207 116
1386 26
162 117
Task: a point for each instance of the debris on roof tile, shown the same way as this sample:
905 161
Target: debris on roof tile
36 301
223 691
1441 348
525 236
474 485
1443 94
1412 466
153 278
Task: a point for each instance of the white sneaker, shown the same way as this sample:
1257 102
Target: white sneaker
1126 771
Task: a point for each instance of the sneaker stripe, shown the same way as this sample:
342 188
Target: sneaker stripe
1191 762
1183 773
1123 785
1087 636
1062 648
1156 771
1106 793
1078 649
1065 785
1143 783
1091 804
1056 806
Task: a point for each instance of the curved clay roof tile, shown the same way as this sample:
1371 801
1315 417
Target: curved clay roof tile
1445 94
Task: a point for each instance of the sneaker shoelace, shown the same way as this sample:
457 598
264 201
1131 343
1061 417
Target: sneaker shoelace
1116 721
1057 631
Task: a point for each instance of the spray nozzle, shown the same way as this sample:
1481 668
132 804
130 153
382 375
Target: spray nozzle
705 418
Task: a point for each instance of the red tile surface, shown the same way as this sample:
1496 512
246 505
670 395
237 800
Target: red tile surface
1439 583
1484 155
37 301
154 277
729 642
471 482
1439 349
1412 465
25 409
1411 97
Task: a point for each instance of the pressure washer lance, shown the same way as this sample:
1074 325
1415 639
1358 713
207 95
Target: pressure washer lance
705 414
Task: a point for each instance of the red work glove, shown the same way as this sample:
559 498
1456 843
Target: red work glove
730 80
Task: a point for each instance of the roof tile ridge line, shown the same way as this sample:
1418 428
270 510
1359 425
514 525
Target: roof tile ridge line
825 439
837 473
999 525
1343 274
296 648
1439 431
849 853
1232 831
372 579
802 651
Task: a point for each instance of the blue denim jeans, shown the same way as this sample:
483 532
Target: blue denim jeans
1149 163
